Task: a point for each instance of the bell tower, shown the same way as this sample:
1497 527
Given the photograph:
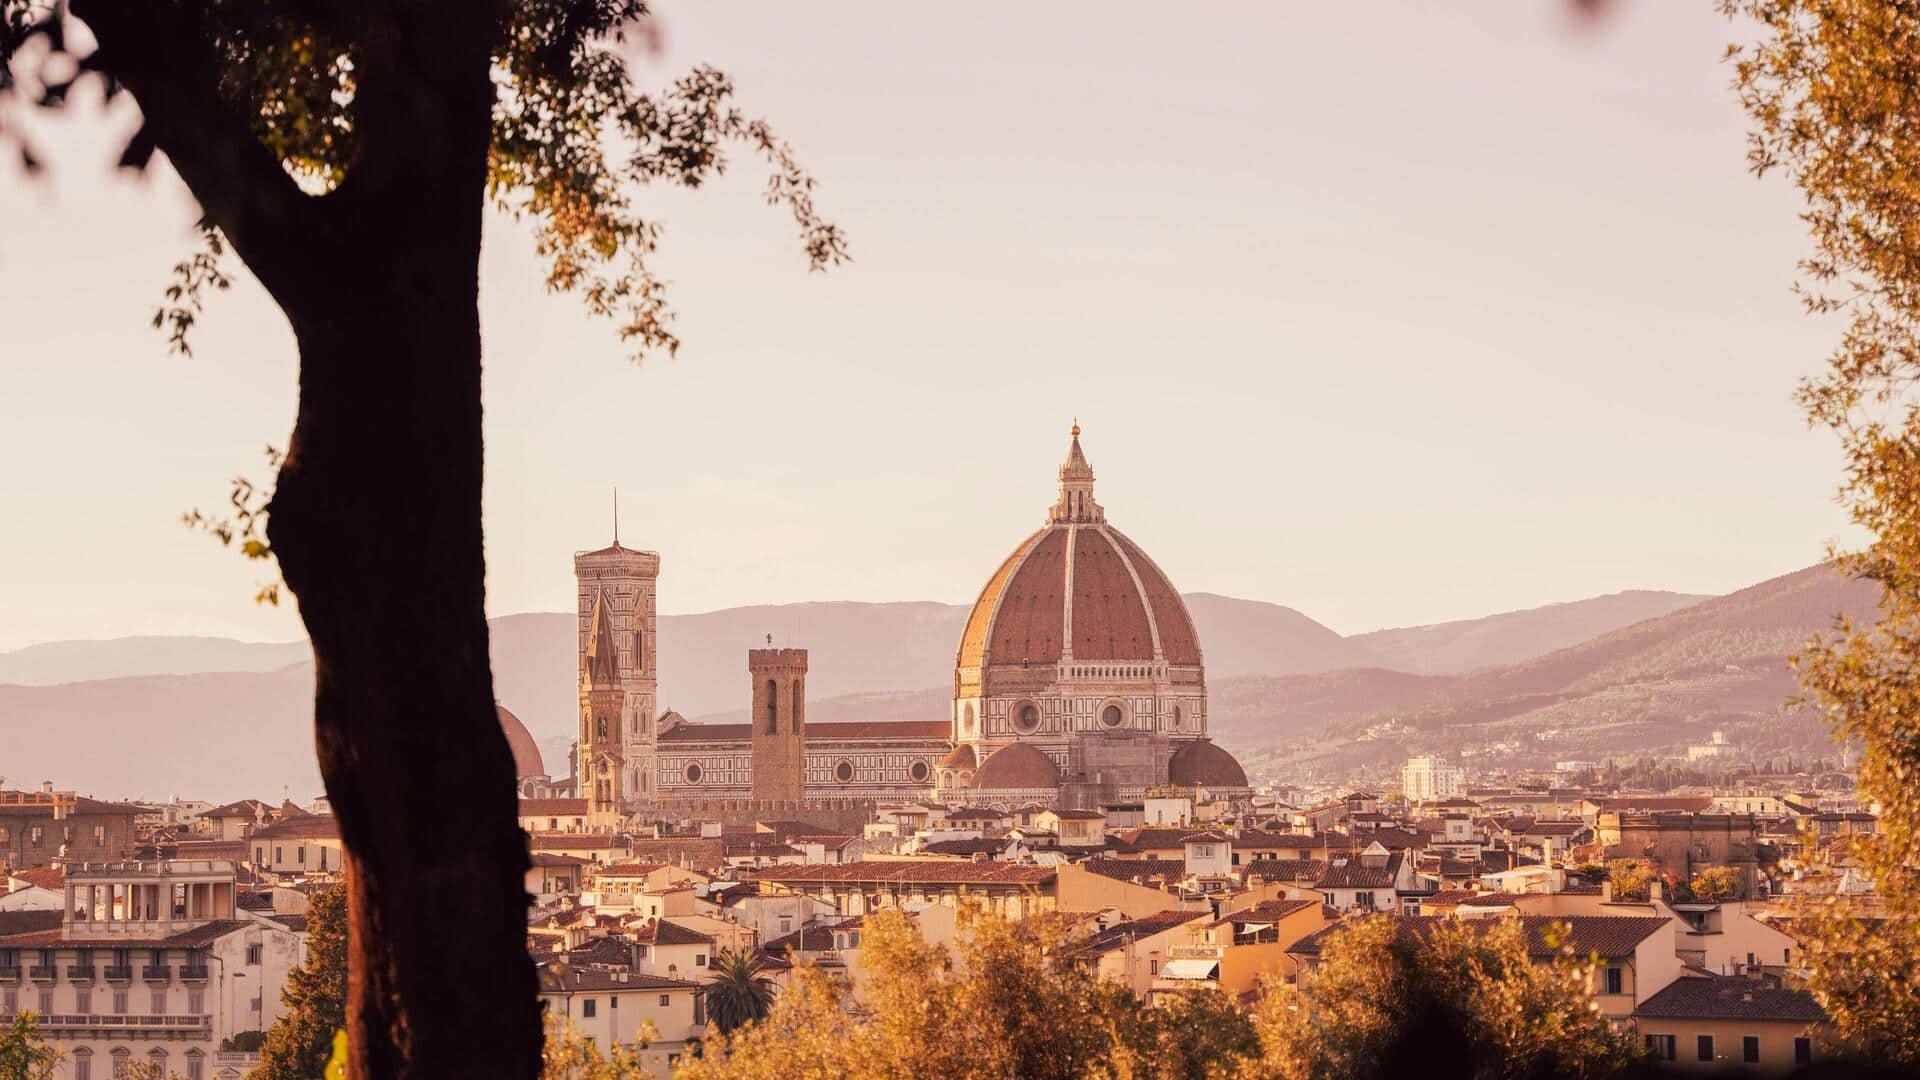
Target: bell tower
779 723
619 678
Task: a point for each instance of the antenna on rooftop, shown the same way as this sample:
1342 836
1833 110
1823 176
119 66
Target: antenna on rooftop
616 515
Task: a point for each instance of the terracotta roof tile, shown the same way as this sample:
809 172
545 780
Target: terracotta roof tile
1731 999
304 827
571 979
1286 869
1356 874
629 869
1117 935
932 873
1139 871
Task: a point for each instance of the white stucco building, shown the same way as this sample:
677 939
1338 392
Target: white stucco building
146 962
1429 779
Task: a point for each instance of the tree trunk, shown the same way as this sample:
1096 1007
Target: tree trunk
375 519
376 523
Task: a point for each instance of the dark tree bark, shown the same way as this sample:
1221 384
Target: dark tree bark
376 517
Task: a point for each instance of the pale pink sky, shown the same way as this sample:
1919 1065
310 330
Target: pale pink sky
1391 314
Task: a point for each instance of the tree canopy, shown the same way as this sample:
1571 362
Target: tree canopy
299 1044
1829 88
348 154
305 92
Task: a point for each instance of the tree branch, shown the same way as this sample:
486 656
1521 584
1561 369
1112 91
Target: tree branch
160 52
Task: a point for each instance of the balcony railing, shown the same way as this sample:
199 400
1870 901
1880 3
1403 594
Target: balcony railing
42 973
1197 952
193 973
10 973
80 973
118 973
159 973
123 1022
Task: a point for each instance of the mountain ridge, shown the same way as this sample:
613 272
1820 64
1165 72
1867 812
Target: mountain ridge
1272 671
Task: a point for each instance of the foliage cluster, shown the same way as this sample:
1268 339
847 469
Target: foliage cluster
1829 89
1012 1003
300 1043
1463 997
1632 879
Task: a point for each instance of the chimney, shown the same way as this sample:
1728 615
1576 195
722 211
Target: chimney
1656 889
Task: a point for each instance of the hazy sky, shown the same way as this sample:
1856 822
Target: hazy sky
1391 314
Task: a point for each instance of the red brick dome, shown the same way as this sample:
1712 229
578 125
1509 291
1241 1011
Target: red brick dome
526 754
1078 581
1016 767
1202 764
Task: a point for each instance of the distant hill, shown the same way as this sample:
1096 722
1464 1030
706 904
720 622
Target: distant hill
854 649
225 719
1720 662
1249 637
209 735
1455 648
58 662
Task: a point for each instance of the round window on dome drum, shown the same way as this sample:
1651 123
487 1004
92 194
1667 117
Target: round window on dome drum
693 773
843 772
918 772
1026 719
1110 716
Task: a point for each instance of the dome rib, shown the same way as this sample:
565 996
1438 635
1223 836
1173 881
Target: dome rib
978 635
1178 642
1029 621
1119 626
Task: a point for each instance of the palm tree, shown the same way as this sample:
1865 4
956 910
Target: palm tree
736 995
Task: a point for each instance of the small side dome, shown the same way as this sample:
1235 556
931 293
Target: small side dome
1016 767
1202 764
960 757
526 754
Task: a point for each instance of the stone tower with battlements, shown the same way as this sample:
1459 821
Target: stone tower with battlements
619 678
779 757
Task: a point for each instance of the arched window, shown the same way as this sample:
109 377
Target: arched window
639 650
966 720
600 727
773 707
793 714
